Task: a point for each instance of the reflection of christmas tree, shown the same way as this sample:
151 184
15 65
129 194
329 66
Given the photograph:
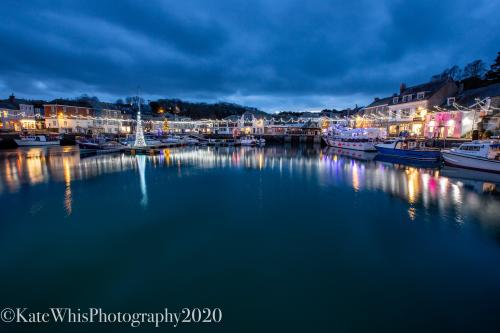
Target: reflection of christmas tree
139 133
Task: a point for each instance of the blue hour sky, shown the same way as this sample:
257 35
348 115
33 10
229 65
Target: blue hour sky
275 55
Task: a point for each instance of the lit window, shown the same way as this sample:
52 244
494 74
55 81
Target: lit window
450 101
420 95
395 100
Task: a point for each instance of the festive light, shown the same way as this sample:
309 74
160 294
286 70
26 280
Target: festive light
139 134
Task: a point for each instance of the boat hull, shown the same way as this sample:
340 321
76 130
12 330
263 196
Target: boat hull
471 162
25 143
420 155
356 154
352 145
88 145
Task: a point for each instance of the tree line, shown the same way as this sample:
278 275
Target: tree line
474 74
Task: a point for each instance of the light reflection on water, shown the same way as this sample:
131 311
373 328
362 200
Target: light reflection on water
421 188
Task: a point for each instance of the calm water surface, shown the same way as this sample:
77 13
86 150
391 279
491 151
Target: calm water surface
279 238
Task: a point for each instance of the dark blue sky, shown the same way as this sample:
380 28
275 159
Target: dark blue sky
272 54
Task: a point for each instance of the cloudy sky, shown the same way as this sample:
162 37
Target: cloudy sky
275 55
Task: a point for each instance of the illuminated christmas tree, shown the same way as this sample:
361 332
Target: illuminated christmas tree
139 133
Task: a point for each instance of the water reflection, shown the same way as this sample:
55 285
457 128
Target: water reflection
454 194
62 164
67 192
421 188
141 164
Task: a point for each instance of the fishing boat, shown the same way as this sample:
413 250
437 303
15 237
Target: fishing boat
408 149
477 155
252 141
355 139
36 140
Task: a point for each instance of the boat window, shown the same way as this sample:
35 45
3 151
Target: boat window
472 148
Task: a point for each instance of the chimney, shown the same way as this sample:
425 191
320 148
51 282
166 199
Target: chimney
402 87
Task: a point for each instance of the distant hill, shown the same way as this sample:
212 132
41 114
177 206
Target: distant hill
201 110
176 107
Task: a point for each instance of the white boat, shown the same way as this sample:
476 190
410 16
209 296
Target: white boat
362 139
252 141
172 139
354 144
359 155
477 155
187 140
36 140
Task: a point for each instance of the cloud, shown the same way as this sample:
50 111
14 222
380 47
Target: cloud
270 54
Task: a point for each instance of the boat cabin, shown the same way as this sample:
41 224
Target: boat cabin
404 144
480 149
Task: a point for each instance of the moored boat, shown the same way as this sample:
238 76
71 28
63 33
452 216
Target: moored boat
172 139
356 154
408 149
36 140
252 141
353 144
477 155
188 140
362 139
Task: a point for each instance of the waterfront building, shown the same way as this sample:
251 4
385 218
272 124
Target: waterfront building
407 110
10 118
375 115
448 124
18 115
485 103
85 120
69 118
152 123
226 126
472 109
177 125
112 122
249 124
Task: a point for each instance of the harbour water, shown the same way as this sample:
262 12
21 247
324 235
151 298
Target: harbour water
279 238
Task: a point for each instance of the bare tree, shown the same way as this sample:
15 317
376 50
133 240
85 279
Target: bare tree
474 70
454 73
